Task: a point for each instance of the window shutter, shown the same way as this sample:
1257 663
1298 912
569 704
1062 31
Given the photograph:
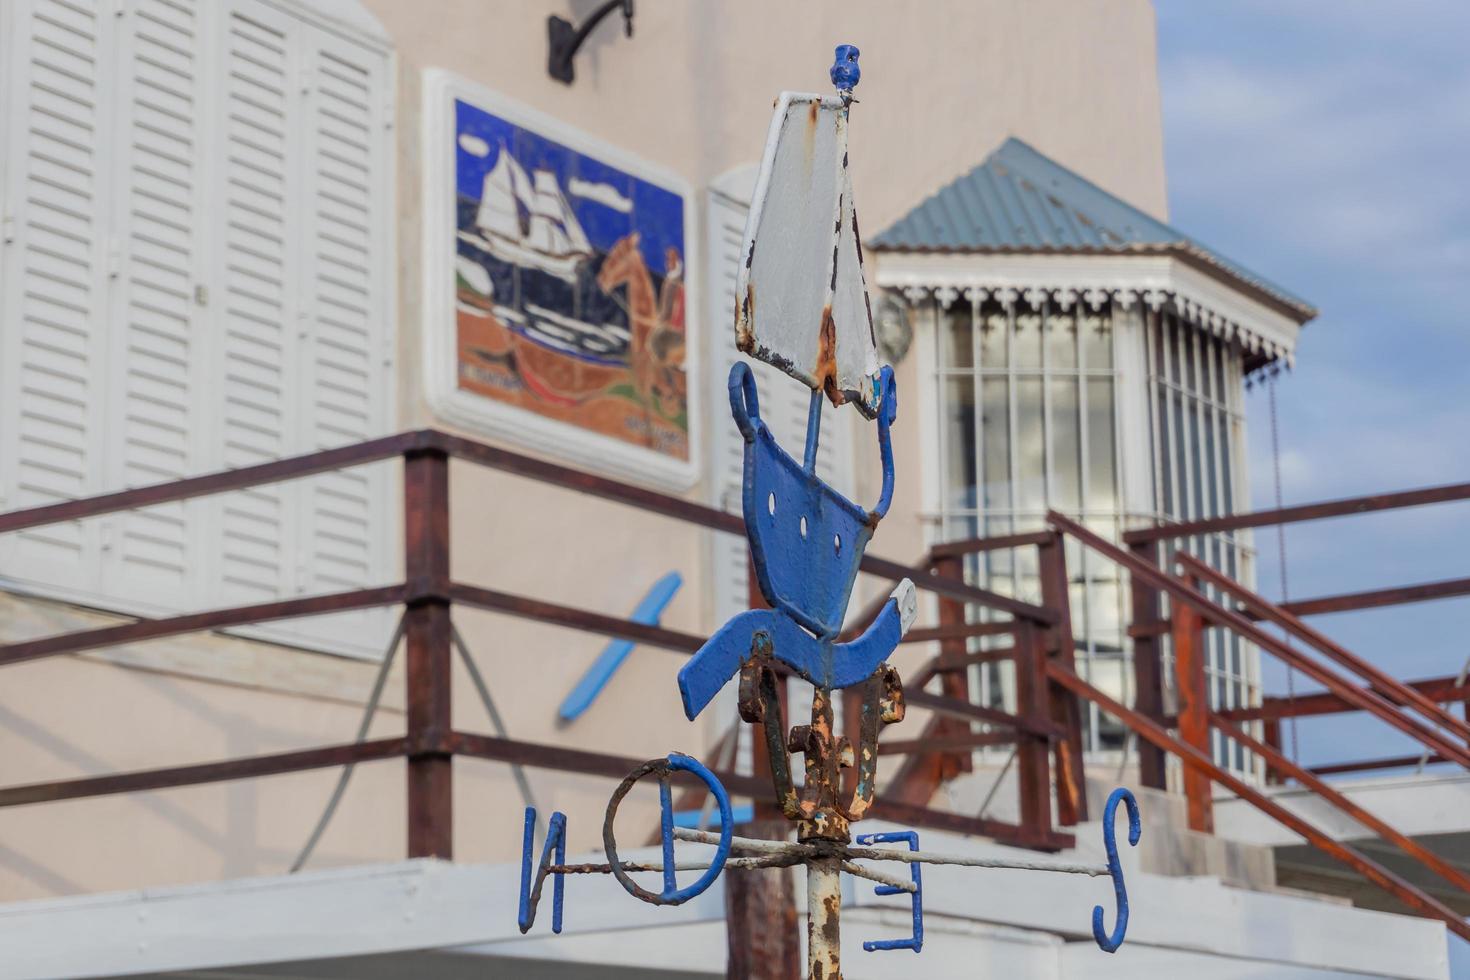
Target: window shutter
729 555
51 286
254 320
155 354
195 276
345 303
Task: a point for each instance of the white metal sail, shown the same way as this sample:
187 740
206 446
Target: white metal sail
801 300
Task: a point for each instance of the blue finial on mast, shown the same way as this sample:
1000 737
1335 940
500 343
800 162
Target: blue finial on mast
845 72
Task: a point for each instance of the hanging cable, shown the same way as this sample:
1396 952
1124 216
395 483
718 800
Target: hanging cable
496 723
370 709
1281 559
1459 682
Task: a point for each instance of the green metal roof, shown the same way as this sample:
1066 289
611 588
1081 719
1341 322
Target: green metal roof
1020 200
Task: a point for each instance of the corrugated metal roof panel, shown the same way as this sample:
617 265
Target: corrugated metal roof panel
1020 199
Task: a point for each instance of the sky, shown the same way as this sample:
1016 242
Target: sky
1324 144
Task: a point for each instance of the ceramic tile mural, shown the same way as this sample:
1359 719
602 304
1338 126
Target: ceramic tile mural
569 285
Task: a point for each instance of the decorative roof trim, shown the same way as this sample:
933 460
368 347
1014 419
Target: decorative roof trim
1136 277
1185 251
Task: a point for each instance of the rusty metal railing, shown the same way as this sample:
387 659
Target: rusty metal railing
428 595
1045 730
1407 708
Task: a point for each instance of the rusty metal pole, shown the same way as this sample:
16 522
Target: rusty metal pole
1065 708
1148 677
427 637
824 913
761 935
1194 708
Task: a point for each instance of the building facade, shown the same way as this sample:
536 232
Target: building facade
243 230
228 240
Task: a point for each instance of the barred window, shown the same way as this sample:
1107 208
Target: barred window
1027 402
1198 435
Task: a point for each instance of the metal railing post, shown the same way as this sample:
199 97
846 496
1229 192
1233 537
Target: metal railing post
1033 751
1065 709
1187 629
952 683
428 641
1148 678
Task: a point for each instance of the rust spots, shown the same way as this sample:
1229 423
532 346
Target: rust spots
809 136
825 370
745 320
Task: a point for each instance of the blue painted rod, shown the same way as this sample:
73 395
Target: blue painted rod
647 614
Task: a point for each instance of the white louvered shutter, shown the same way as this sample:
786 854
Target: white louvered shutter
52 285
784 404
156 357
254 309
195 276
346 354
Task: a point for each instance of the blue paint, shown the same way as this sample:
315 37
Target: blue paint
845 73
806 541
556 844
1110 943
672 894
690 819
597 676
657 214
916 941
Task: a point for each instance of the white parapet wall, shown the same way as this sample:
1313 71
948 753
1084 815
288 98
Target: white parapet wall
433 919
1426 803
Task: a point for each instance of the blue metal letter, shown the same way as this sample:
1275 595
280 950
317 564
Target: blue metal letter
916 941
1110 943
671 894
556 841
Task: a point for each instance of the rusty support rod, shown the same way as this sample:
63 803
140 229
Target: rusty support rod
946 743
938 703
1404 891
555 614
1303 512
276 471
1378 598
1306 705
1322 788
1368 765
1366 700
199 774
970 546
1389 687
216 619
958 631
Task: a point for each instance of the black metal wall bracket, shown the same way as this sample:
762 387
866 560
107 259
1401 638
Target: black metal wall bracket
566 38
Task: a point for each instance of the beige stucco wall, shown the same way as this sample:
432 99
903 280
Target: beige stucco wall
944 83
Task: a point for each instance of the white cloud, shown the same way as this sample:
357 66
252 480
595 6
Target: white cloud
604 194
473 145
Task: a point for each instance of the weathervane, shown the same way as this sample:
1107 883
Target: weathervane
802 306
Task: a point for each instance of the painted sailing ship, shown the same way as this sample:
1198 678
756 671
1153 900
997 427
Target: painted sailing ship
524 252
527 222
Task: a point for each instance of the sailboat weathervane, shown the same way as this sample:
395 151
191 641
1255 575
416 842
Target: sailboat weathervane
802 306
